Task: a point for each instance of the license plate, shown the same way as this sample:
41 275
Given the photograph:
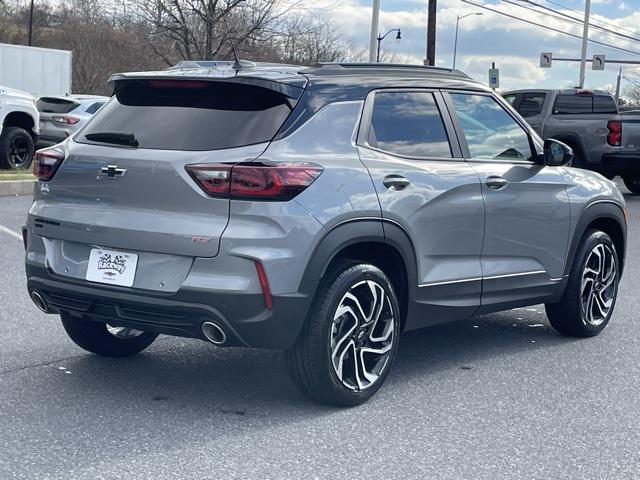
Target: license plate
112 267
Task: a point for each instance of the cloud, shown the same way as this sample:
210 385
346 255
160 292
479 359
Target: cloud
515 71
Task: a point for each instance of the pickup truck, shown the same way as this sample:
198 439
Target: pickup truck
602 139
19 128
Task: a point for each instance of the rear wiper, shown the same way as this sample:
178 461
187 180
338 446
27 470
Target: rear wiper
117 138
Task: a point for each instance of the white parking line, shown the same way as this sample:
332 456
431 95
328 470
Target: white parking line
10 232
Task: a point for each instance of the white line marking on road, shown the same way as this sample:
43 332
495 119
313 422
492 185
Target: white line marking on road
10 232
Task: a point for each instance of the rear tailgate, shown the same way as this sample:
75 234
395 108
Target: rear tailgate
138 196
631 133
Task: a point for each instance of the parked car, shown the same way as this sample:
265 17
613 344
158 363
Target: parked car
18 128
318 210
589 122
61 116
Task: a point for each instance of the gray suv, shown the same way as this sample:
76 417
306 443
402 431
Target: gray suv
319 210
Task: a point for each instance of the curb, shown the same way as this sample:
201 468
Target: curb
10 188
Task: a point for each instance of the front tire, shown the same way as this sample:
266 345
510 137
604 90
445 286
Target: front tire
632 182
350 340
106 340
590 296
16 148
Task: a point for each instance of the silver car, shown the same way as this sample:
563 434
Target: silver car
319 210
62 116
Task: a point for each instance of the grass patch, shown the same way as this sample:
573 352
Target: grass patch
16 175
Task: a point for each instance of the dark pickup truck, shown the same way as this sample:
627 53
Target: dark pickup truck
603 139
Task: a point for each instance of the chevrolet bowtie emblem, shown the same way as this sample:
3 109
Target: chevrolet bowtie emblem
112 171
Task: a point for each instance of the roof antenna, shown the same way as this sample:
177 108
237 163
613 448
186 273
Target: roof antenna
237 65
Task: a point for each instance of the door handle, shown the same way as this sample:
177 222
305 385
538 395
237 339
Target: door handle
497 183
395 182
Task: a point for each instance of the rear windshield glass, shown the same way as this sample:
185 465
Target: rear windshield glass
55 105
568 104
192 115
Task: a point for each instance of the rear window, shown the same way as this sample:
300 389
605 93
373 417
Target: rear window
576 104
192 115
55 105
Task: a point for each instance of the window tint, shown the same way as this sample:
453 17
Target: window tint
531 104
408 123
192 115
511 98
94 107
567 104
55 105
604 104
490 131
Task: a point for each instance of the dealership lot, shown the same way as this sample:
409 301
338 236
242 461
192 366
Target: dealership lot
499 396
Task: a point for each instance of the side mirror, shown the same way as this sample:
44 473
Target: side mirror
556 153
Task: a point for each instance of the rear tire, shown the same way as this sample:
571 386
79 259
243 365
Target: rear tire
16 148
344 353
95 337
590 295
632 182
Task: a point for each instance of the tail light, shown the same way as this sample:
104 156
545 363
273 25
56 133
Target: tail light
65 119
254 181
614 138
46 163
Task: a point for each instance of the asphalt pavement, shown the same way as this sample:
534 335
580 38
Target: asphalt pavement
495 397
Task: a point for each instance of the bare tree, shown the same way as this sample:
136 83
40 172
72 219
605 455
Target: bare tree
632 92
206 29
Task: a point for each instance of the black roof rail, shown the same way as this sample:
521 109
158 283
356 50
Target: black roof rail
339 67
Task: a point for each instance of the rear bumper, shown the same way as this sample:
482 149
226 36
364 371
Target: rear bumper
620 163
244 317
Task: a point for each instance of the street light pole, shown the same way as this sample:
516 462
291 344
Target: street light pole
455 43
585 39
375 15
382 37
31 24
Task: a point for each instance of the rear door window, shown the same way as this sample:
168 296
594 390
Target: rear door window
573 104
55 105
192 115
408 124
531 104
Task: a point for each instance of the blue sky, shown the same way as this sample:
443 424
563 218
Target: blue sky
515 46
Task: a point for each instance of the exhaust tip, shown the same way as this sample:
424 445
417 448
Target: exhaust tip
214 333
39 301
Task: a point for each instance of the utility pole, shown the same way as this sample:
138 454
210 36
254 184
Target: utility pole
375 15
31 24
618 87
585 38
431 33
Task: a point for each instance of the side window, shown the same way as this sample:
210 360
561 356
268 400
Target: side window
573 104
408 123
511 98
491 133
94 108
531 104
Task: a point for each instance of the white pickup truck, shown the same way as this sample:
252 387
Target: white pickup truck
19 128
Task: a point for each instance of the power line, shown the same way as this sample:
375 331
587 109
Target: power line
579 12
576 20
606 45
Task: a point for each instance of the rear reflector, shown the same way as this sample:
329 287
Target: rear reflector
264 285
46 163
254 181
614 138
65 119
25 237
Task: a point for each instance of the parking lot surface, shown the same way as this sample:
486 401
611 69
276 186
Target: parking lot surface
498 396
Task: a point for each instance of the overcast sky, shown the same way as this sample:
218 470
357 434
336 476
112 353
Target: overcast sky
514 45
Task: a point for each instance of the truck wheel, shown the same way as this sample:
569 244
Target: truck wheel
106 340
632 182
350 339
590 296
16 148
